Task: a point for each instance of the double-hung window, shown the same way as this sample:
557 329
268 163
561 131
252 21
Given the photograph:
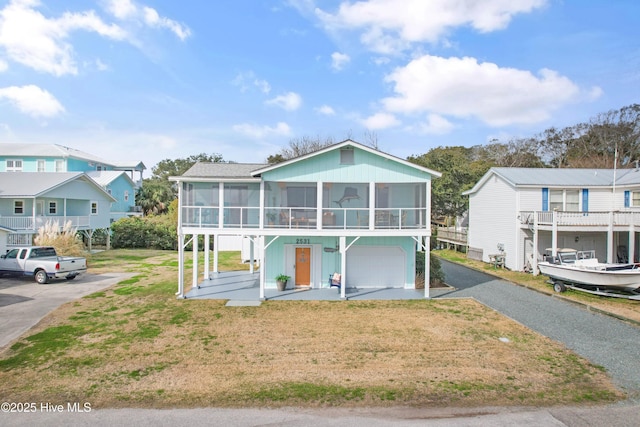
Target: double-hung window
14 165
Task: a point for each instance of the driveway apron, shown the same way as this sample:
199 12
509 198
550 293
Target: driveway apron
601 339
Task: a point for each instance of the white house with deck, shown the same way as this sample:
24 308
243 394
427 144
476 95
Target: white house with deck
524 212
346 209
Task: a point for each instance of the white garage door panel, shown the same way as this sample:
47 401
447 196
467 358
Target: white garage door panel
375 266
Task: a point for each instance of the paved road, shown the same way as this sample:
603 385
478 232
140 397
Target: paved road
601 339
23 303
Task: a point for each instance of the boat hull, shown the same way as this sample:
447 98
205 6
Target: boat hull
625 279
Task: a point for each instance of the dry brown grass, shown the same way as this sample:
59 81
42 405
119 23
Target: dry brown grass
136 345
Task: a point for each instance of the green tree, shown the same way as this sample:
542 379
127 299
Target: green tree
154 196
168 167
157 192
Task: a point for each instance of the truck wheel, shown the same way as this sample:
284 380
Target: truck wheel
41 277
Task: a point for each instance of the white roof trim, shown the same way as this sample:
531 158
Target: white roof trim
342 144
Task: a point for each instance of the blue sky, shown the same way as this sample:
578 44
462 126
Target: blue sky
152 80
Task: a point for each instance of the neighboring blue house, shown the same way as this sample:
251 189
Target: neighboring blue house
119 180
16 157
30 200
346 209
120 186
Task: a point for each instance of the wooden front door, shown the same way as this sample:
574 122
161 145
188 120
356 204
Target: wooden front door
303 267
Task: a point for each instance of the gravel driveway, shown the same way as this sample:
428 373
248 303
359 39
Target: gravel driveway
601 339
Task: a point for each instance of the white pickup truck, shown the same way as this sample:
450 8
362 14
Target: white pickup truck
42 263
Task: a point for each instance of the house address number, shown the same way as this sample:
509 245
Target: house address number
305 241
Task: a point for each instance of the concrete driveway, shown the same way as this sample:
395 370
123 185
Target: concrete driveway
23 303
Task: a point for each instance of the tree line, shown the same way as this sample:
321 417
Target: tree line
609 138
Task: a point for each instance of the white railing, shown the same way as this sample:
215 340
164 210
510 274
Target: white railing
301 217
587 219
209 217
28 223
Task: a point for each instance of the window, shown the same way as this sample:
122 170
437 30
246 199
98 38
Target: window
573 201
52 207
41 165
635 199
303 197
60 166
126 196
14 165
564 200
18 207
555 200
12 254
346 156
94 208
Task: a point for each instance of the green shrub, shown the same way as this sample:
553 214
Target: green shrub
152 232
436 276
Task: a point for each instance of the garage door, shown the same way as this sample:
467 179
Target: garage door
376 266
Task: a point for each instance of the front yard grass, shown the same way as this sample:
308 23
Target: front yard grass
136 345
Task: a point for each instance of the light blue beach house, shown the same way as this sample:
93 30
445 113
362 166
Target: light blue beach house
346 212
88 191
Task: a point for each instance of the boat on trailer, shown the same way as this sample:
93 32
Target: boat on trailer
581 270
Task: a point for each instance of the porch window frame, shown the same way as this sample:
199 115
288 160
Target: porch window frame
18 210
52 204
11 165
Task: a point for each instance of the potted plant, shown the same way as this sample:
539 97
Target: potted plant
281 281
271 217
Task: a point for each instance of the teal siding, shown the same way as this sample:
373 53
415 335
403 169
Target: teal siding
275 255
330 261
367 167
30 164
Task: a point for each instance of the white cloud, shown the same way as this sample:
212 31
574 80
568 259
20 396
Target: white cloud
3 66
31 39
389 26
326 110
153 19
462 87
339 60
290 101
127 10
258 132
263 85
32 100
248 79
436 125
121 9
380 121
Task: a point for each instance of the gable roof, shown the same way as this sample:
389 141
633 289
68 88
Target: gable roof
56 150
231 171
35 184
346 143
104 178
560 177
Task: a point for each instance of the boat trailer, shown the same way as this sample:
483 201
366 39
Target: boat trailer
561 286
